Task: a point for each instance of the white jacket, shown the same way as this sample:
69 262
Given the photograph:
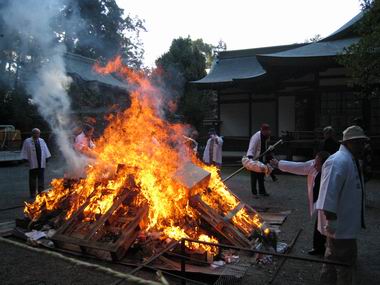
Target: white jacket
217 150
342 193
302 168
254 148
28 152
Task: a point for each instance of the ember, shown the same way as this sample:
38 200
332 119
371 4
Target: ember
141 153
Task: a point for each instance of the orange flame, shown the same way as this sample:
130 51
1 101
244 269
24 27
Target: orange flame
151 149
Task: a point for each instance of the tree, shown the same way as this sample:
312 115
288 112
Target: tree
209 51
314 39
363 59
93 28
99 29
187 61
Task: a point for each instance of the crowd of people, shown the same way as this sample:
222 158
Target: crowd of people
335 188
335 183
336 197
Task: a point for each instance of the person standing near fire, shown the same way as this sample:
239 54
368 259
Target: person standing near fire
341 206
311 169
212 154
191 142
83 142
257 146
36 152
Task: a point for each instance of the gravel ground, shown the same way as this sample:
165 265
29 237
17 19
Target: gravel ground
21 266
289 193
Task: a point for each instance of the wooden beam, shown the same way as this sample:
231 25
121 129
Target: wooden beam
226 229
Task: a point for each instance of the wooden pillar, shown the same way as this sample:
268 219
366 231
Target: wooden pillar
218 111
366 114
317 101
277 115
250 114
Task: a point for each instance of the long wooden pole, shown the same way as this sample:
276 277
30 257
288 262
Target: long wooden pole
295 257
290 247
256 158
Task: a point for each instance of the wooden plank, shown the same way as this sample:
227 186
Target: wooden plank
92 240
232 213
231 233
116 203
75 217
192 176
170 245
275 218
130 234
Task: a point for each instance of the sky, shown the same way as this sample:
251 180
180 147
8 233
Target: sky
241 24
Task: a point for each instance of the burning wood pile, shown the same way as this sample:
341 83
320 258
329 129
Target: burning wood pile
144 189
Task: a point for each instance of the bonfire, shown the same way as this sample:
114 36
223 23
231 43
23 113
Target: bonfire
134 180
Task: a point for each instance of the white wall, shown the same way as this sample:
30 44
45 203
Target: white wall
234 119
286 113
264 112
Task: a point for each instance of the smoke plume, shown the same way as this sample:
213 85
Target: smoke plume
32 21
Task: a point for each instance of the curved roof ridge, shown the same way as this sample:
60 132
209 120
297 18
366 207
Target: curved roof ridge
347 30
254 51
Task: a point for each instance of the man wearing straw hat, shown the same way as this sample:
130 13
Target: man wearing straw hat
341 206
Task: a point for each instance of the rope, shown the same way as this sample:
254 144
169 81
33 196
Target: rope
129 278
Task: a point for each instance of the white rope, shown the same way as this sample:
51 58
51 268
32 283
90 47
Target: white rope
127 277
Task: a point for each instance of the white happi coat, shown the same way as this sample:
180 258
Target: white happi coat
302 168
217 150
28 152
342 193
81 141
254 148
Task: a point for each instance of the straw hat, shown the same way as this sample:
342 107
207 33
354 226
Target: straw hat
353 133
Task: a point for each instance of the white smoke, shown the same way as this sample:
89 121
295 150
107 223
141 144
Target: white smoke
31 20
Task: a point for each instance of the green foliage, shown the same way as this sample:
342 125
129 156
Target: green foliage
184 57
363 58
101 30
93 28
314 39
16 110
209 51
187 61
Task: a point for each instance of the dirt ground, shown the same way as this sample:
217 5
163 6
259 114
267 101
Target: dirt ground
21 266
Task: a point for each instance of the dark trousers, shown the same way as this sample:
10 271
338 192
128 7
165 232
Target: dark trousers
257 178
319 240
36 177
343 250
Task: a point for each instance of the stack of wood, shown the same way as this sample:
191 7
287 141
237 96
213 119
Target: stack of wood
112 233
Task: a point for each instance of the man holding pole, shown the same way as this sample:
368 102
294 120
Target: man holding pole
257 146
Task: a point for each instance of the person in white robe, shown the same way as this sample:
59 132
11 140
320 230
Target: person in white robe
212 154
83 142
311 169
257 146
341 206
35 151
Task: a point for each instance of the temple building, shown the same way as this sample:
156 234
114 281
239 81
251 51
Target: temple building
298 89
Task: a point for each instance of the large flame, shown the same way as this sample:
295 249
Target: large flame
150 149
